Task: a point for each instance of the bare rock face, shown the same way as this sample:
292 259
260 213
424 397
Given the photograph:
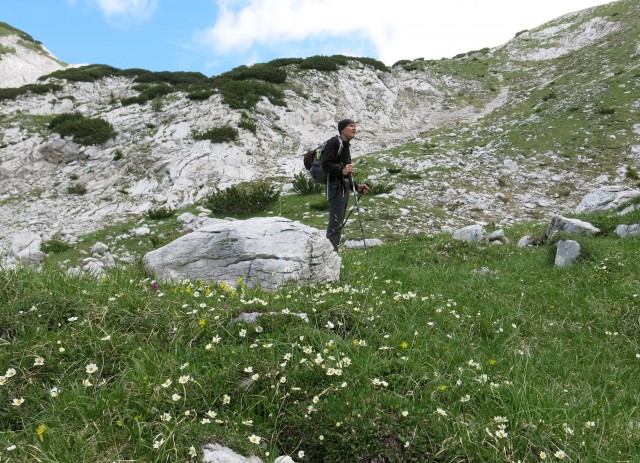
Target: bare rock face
264 252
24 65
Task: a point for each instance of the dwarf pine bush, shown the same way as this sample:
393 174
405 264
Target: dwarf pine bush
244 94
244 198
218 134
264 72
90 73
86 131
77 189
319 63
161 212
305 185
36 89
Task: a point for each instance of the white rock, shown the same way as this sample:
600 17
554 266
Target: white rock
216 453
264 252
474 233
605 198
99 248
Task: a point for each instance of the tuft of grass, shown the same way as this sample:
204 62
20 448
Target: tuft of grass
55 245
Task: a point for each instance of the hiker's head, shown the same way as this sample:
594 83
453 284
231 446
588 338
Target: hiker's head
347 129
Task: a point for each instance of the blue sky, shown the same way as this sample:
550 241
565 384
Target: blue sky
214 36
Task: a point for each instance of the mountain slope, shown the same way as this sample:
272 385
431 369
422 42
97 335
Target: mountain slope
491 136
22 59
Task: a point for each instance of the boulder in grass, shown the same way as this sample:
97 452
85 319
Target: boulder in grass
25 248
264 252
560 224
606 198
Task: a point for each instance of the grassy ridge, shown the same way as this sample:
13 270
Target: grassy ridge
427 350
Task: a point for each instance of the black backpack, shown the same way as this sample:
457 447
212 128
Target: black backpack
313 162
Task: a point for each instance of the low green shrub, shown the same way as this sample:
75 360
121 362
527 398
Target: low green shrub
89 73
280 62
549 96
86 131
77 189
247 123
374 63
241 94
380 188
320 63
162 212
149 94
118 155
54 246
218 134
36 89
200 95
171 78
244 198
304 185
606 110
401 63
265 72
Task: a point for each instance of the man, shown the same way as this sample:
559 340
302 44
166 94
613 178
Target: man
337 164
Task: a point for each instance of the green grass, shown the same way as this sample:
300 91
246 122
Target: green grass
415 356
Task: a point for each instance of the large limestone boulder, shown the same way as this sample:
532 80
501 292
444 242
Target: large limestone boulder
263 251
560 224
606 198
58 150
25 248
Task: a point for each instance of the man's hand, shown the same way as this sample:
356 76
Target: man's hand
363 188
347 170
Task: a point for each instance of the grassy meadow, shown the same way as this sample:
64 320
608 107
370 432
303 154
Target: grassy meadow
427 350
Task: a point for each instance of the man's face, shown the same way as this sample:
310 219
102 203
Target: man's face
349 132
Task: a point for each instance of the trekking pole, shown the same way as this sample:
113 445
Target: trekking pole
355 193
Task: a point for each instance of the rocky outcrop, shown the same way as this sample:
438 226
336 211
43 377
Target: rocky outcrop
261 252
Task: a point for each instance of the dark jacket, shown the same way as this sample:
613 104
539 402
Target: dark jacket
332 162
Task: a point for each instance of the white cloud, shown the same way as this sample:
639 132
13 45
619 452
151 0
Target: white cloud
128 10
399 29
